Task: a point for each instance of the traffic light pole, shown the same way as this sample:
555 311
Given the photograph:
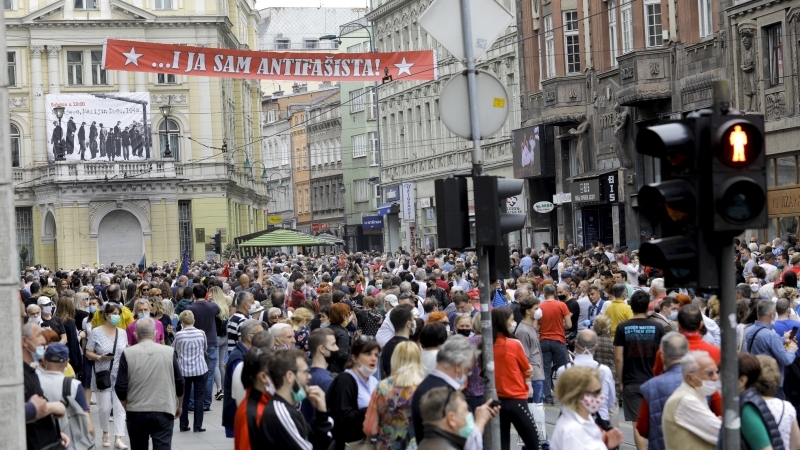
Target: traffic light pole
729 365
492 434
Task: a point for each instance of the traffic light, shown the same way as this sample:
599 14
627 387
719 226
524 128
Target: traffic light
452 213
678 205
218 243
739 173
493 223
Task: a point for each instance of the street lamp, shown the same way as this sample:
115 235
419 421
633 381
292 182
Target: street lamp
59 112
165 110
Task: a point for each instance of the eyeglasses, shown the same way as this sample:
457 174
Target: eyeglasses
274 317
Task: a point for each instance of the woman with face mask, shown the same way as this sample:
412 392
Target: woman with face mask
95 304
513 373
580 394
101 349
351 391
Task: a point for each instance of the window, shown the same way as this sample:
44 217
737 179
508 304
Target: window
163 4
704 12
8 4
311 44
185 226
98 73
652 20
626 14
572 48
15 146
356 101
75 68
372 104
282 43
775 55
25 234
271 115
372 137
85 4
167 78
359 145
550 46
284 152
12 68
613 44
366 46
354 48
174 138
362 191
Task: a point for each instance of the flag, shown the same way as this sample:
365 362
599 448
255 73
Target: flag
183 266
225 271
142 263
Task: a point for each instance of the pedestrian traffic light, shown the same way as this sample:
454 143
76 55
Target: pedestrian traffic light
676 206
739 173
452 212
218 243
492 222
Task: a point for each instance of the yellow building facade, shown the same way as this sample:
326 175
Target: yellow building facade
74 213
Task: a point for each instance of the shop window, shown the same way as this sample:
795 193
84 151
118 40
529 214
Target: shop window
786 167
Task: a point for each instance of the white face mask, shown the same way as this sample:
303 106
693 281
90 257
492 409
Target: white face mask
538 314
366 371
709 387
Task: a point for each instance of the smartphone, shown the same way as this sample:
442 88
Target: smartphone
494 404
793 334
109 354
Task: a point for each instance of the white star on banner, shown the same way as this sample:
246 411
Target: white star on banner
132 57
404 67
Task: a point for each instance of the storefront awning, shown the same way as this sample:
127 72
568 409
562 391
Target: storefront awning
283 237
331 239
385 208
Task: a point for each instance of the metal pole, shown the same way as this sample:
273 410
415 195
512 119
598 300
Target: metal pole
729 365
12 424
492 434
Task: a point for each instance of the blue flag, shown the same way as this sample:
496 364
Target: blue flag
143 263
183 267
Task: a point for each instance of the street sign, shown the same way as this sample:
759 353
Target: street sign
492 105
543 207
274 220
442 20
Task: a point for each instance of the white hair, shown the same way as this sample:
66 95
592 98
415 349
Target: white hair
690 362
657 286
277 330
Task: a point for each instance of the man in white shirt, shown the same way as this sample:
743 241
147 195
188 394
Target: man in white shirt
688 420
585 346
585 303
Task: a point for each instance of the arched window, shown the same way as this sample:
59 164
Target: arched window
174 138
15 146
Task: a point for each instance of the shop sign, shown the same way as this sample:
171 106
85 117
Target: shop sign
543 207
610 187
562 197
584 191
425 202
783 202
392 193
516 204
274 220
317 227
407 202
372 222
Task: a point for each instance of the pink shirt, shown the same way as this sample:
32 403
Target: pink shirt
131 332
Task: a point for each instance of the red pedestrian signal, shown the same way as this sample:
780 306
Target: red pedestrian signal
739 143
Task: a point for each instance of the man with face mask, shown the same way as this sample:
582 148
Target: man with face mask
283 425
49 320
244 303
321 344
448 422
283 334
688 421
761 339
528 336
453 363
40 430
585 346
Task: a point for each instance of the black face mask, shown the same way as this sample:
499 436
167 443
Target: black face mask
562 297
465 333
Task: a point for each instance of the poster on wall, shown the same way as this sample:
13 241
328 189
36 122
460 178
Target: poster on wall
100 127
526 147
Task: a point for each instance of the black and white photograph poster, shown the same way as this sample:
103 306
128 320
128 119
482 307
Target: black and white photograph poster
99 127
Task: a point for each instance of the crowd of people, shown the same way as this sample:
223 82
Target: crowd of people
382 351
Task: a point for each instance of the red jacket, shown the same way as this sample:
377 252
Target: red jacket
253 403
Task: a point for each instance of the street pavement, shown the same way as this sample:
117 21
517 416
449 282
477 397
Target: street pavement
214 437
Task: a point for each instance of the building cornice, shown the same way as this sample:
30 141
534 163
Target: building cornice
386 9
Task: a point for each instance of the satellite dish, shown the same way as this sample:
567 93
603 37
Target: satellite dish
492 105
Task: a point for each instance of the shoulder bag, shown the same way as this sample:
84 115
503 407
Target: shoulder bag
103 378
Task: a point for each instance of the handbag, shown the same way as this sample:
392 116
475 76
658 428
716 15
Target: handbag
103 378
363 444
537 411
371 418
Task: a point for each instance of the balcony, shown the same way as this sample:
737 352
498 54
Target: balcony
563 100
644 76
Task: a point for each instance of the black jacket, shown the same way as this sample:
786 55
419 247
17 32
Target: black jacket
342 401
339 359
284 427
430 382
751 396
438 439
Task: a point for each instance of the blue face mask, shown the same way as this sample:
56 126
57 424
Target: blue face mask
143 315
673 315
468 427
92 309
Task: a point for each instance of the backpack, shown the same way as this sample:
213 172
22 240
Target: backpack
75 423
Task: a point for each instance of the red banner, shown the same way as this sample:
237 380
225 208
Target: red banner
135 56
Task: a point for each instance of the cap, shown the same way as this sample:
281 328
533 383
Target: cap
566 275
44 301
459 260
392 300
56 352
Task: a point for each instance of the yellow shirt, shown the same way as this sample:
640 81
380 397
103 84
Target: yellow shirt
125 318
69 371
618 312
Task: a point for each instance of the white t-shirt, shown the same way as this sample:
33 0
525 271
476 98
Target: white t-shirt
784 414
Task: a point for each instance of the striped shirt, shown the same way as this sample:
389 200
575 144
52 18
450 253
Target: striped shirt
190 345
233 329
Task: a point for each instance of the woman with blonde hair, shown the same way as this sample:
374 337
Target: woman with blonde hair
299 322
388 417
580 394
216 295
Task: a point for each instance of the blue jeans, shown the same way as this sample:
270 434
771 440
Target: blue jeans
538 386
213 357
554 355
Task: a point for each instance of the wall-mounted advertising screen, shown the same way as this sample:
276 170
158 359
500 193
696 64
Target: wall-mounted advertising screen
526 145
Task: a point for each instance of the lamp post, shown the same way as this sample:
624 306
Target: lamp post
165 110
59 112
